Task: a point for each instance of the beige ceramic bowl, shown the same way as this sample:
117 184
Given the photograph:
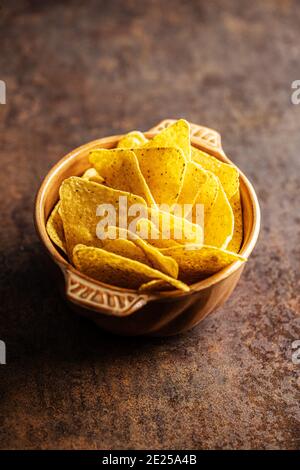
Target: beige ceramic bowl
126 311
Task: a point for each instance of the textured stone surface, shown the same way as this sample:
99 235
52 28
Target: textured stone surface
80 70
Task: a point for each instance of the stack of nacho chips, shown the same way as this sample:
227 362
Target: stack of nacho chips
161 249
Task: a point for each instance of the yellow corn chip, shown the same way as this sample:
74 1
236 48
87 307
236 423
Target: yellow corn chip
92 174
198 262
227 174
194 180
117 270
208 192
120 170
219 221
125 248
132 139
163 170
151 255
55 229
80 200
176 228
176 135
237 238
163 263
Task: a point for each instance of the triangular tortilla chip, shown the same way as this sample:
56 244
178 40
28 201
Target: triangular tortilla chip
176 135
55 229
176 228
149 232
125 248
219 222
120 170
208 192
218 215
198 262
227 174
118 270
194 179
151 255
163 170
237 238
80 200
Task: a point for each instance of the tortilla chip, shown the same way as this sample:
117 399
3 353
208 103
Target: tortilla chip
219 221
207 193
132 139
194 179
78 208
176 228
237 238
125 248
198 262
163 170
227 174
163 263
120 170
151 255
55 229
92 174
117 270
149 232
176 135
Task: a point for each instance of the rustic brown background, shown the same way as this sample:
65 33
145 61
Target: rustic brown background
80 70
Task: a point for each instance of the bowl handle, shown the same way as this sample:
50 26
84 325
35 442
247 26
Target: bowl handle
109 301
208 137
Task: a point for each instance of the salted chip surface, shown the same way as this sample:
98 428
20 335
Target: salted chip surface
120 170
176 135
227 174
132 139
198 262
55 229
86 207
163 169
117 270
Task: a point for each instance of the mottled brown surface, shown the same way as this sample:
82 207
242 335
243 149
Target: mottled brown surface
80 70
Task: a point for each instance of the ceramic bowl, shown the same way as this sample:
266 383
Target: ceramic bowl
127 311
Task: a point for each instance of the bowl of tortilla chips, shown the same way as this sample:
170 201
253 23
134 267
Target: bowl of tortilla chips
150 230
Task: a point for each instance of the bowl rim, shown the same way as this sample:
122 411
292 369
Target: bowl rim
55 254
